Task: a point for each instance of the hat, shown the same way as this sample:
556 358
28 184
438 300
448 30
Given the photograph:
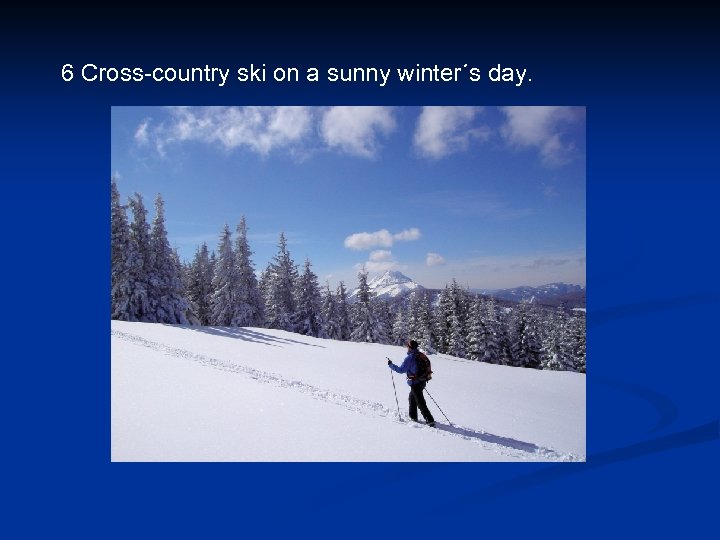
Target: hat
412 344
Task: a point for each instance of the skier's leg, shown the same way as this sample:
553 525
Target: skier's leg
420 398
412 401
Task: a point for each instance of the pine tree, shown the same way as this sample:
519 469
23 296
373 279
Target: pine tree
199 285
451 318
280 289
456 345
120 284
577 341
421 322
343 313
414 320
225 283
364 324
331 328
476 331
443 320
525 346
400 328
381 312
249 304
493 335
307 319
554 343
166 288
139 263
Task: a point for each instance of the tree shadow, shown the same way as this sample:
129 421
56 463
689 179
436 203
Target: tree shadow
246 334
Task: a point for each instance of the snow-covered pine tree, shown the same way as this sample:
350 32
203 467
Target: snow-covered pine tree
443 320
139 262
166 287
225 283
492 336
383 319
420 321
427 339
400 327
451 318
525 344
250 310
120 287
331 328
264 285
553 341
199 287
365 327
577 341
343 313
457 345
307 319
414 319
282 275
180 269
476 331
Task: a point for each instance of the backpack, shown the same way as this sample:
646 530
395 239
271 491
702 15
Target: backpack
424 369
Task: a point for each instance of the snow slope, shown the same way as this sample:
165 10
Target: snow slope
248 394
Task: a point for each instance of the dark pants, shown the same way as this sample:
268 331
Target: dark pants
417 399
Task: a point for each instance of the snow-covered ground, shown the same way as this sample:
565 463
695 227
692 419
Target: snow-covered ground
250 394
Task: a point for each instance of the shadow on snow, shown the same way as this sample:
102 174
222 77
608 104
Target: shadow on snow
488 437
246 334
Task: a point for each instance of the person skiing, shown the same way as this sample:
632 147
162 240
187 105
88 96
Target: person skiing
416 398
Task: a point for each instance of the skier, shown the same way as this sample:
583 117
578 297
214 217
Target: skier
416 398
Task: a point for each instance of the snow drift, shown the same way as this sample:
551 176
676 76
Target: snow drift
184 393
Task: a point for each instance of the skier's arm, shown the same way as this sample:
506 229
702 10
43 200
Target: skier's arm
402 369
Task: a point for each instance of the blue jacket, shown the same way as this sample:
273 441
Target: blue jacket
408 366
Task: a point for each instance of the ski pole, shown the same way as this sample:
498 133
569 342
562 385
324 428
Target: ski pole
394 390
438 406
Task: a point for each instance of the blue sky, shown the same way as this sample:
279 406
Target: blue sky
491 196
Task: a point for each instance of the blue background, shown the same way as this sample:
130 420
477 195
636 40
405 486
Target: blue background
650 84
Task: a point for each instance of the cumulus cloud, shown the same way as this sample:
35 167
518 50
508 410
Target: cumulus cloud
381 238
541 127
380 260
259 129
364 240
381 255
356 130
441 131
433 259
408 235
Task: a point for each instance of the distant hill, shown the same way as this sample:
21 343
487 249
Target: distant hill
552 294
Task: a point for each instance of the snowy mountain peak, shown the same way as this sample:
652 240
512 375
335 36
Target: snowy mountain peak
391 277
391 284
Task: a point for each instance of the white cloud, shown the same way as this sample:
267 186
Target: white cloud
540 127
379 261
141 133
382 266
381 238
441 131
363 240
381 255
408 235
355 130
259 129
433 259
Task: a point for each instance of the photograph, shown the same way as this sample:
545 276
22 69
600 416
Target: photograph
348 284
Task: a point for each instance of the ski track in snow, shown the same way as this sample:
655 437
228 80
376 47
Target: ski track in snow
500 445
